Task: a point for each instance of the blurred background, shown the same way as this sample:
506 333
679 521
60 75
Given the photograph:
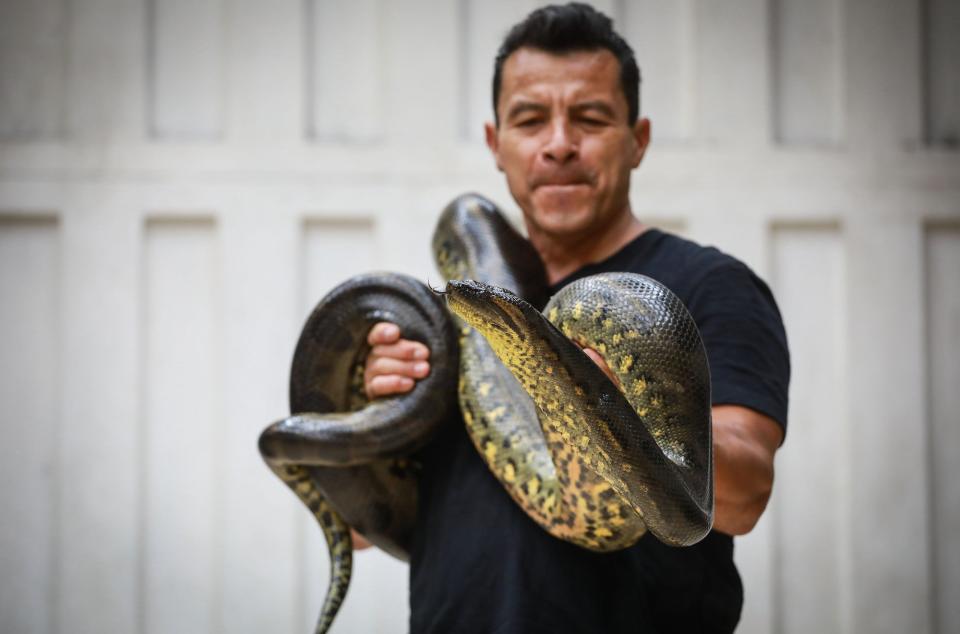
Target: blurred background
181 180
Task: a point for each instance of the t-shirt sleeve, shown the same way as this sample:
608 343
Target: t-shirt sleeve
745 340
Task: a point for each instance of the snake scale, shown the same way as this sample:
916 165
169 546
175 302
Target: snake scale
592 461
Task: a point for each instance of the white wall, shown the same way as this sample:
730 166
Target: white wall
180 181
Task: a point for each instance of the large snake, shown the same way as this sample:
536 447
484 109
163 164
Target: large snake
592 462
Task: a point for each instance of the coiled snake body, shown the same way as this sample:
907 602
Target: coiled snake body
591 462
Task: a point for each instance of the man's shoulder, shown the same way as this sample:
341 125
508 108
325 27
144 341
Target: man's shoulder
682 262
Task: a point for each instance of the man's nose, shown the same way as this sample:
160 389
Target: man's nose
561 147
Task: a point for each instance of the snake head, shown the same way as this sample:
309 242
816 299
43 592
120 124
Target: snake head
499 315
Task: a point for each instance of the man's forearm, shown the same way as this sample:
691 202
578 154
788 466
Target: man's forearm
744 443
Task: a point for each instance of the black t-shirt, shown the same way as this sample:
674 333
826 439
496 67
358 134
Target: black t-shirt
479 564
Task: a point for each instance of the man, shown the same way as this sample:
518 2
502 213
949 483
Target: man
567 135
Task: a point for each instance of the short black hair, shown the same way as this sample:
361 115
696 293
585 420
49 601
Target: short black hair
564 29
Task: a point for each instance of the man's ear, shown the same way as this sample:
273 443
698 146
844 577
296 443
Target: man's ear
493 142
641 135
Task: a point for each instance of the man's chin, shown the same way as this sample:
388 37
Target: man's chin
561 220
562 198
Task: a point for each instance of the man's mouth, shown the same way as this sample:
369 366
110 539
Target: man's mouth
562 180
561 188
566 183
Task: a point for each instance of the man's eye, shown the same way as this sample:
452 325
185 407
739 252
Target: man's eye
527 123
590 121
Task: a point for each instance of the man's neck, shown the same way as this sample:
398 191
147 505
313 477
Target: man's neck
562 255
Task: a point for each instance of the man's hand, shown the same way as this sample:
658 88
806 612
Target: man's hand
596 358
393 363
392 366
359 541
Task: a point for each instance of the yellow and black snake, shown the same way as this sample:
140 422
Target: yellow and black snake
593 463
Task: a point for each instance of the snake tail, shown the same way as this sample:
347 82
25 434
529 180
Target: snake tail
337 534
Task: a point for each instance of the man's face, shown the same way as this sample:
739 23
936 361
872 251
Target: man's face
564 141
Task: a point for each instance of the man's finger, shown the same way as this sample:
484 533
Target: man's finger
383 333
381 366
388 384
359 541
596 358
403 349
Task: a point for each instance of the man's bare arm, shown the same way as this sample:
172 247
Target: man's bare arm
744 443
